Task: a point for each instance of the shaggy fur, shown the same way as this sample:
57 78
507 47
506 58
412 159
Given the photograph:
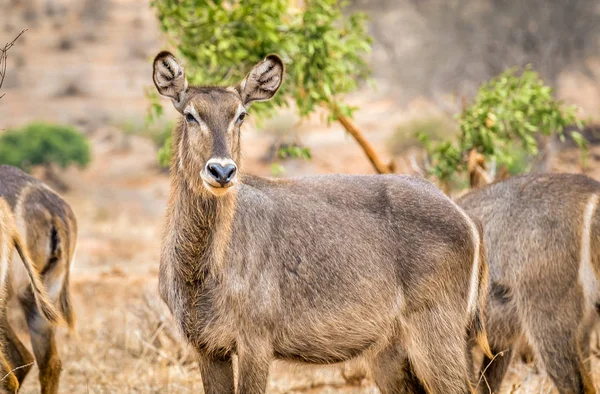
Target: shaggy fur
317 270
542 234
49 229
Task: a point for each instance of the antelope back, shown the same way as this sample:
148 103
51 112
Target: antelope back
537 225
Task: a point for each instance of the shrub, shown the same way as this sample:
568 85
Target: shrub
508 112
44 144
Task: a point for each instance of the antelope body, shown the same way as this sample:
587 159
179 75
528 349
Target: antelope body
542 234
49 231
9 241
318 269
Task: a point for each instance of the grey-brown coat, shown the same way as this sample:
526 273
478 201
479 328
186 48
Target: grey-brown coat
318 269
10 240
48 227
542 234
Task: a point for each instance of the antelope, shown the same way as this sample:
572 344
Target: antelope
49 230
10 240
542 234
316 270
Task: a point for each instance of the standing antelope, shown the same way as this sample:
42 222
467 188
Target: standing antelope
37 296
542 234
318 269
49 229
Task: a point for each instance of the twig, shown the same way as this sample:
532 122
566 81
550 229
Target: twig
157 350
482 373
4 56
16 369
146 343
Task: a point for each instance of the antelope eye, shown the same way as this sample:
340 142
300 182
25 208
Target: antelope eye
190 118
241 118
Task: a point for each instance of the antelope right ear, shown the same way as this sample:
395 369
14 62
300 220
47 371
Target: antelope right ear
169 78
263 81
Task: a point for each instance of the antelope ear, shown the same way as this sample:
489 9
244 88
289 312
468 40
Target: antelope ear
263 81
169 78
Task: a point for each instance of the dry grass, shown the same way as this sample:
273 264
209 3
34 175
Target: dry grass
125 343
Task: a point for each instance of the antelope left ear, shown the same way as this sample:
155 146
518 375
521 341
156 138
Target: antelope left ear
263 81
169 78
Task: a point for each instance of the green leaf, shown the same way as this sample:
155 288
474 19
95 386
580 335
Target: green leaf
579 139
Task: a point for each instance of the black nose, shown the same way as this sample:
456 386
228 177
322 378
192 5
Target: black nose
221 174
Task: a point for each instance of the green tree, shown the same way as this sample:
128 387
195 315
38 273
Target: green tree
502 124
42 144
323 51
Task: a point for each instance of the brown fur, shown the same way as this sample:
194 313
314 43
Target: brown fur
49 228
10 240
539 298
318 269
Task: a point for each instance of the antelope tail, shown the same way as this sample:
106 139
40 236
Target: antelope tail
478 317
63 251
39 291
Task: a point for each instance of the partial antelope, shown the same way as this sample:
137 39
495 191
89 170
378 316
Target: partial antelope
9 241
316 270
49 230
542 234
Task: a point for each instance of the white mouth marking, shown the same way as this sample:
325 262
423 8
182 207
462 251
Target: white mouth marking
218 191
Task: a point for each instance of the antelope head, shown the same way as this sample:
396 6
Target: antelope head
206 144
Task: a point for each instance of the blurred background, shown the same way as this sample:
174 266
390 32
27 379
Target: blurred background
83 68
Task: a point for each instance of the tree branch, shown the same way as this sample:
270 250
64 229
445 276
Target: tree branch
4 56
366 146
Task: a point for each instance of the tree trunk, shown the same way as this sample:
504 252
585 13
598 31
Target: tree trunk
478 175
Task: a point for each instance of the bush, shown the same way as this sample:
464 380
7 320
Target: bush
508 112
44 144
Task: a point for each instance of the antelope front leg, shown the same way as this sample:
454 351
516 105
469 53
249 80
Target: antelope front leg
217 374
253 370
